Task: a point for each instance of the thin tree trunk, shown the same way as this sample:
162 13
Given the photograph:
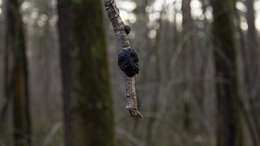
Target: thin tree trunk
155 102
252 32
229 128
188 49
245 82
15 44
252 63
65 39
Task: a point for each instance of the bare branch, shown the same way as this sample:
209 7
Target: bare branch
124 43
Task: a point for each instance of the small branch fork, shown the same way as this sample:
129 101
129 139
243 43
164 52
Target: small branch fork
124 43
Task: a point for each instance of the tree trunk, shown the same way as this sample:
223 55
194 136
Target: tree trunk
252 32
17 65
251 52
88 109
155 103
252 63
188 50
229 128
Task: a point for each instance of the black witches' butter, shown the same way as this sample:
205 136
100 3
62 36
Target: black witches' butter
128 62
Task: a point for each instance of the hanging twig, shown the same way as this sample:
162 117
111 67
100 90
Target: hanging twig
119 29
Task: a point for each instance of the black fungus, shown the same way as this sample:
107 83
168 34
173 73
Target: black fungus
128 62
127 29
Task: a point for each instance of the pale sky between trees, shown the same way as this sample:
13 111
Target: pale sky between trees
127 6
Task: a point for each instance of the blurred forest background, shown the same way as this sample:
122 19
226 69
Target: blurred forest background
198 83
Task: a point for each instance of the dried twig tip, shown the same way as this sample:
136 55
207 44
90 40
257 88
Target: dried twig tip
135 113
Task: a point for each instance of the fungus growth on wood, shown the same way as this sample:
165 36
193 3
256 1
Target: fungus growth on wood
127 58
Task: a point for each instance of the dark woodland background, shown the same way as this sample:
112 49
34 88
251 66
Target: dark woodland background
198 83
